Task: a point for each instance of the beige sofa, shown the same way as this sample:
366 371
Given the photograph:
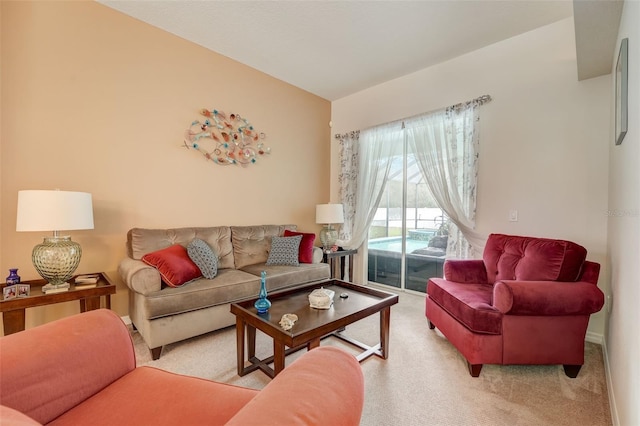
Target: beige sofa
165 315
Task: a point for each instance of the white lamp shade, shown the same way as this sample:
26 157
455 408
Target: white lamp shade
329 213
40 210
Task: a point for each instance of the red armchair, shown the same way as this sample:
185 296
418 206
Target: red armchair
528 301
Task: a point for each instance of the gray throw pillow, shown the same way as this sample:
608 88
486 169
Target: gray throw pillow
204 257
284 251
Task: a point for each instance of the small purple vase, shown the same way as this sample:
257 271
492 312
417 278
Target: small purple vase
13 277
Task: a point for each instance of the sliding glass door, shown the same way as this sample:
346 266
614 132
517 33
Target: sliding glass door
408 236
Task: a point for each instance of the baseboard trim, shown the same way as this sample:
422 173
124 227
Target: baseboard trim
126 320
615 420
594 338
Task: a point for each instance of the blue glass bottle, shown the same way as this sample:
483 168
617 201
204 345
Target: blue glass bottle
262 304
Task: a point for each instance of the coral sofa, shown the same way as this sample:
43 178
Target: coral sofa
528 301
164 314
81 370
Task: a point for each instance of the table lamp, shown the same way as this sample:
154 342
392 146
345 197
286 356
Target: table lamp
57 258
328 215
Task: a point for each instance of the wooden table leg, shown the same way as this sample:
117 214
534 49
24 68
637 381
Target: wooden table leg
251 341
89 304
385 316
351 268
240 345
313 344
13 321
332 265
278 357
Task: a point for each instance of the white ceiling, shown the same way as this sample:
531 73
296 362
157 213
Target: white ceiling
336 48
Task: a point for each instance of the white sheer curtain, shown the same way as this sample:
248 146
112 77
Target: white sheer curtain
375 151
445 145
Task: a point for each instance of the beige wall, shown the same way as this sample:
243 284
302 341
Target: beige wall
544 138
93 100
623 338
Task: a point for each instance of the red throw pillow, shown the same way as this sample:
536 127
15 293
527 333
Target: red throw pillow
174 265
305 253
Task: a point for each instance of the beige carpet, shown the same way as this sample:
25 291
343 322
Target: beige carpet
424 381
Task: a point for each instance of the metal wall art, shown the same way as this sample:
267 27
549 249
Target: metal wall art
226 139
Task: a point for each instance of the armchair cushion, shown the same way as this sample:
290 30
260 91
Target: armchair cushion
471 304
465 271
509 257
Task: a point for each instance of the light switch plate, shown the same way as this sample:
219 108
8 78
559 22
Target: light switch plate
513 215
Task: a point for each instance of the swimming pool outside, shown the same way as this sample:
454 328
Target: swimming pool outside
394 244
385 263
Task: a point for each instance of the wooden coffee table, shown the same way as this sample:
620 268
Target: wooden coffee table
312 324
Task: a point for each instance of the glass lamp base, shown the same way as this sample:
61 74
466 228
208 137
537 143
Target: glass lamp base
328 237
56 259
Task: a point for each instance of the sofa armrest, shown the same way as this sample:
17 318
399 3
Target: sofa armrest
47 370
547 297
317 255
323 387
139 276
465 271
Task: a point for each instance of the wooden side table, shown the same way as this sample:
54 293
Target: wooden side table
332 257
13 310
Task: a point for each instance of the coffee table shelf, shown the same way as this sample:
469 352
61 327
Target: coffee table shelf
312 325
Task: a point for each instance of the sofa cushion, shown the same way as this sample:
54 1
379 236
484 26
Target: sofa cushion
141 241
202 255
251 244
305 253
470 304
229 285
174 265
284 251
509 257
283 276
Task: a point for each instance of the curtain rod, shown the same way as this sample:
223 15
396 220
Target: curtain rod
480 100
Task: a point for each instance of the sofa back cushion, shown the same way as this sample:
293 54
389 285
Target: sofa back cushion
251 244
509 257
141 241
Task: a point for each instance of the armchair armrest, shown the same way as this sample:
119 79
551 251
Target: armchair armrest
324 386
547 297
465 271
139 276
